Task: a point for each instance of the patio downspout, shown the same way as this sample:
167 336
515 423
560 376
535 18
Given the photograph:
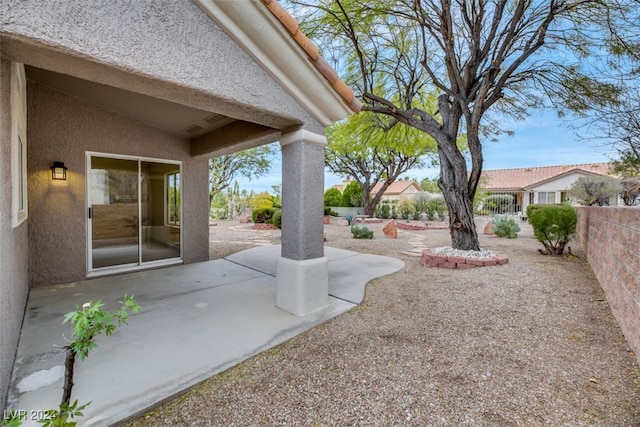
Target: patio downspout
302 274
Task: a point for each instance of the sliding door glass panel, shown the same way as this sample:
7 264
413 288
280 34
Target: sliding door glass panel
160 210
114 195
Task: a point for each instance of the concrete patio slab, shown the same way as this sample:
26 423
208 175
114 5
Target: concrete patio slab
195 320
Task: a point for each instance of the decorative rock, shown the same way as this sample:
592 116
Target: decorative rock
327 219
390 230
243 219
487 228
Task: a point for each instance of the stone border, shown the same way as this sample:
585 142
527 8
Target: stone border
404 226
263 226
429 259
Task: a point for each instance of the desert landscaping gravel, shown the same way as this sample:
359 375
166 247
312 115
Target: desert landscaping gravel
529 343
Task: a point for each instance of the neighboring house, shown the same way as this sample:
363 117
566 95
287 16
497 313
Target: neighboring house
400 191
542 185
394 193
134 97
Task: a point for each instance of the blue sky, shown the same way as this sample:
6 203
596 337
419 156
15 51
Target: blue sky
540 140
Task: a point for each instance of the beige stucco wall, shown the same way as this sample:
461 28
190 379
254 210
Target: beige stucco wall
14 283
63 128
125 44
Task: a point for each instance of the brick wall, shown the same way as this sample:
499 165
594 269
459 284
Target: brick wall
610 238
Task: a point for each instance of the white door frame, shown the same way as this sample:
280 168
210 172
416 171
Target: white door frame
140 265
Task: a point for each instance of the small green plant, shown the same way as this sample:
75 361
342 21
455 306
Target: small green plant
504 226
61 417
554 226
329 211
406 209
383 210
12 418
89 321
349 219
437 206
361 232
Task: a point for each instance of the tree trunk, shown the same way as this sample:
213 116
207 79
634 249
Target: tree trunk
69 363
369 208
455 188
461 225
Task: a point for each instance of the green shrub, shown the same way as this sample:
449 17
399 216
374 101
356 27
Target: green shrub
420 206
503 225
553 226
329 211
361 232
406 209
260 216
438 206
352 195
333 197
533 207
383 210
276 219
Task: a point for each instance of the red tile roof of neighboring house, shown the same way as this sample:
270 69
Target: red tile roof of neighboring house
396 188
523 178
291 24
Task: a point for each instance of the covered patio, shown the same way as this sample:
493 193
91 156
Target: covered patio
195 320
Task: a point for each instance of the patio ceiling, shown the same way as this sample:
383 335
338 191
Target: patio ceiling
177 119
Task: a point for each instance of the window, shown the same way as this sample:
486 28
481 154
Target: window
173 198
18 145
546 198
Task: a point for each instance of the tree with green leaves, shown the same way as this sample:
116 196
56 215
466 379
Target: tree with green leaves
482 56
251 163
333 197
630 190
352 195
430 185
595 191
366 149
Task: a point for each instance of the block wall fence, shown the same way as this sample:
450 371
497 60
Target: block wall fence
610 238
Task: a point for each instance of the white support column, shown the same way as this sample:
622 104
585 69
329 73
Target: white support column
302 276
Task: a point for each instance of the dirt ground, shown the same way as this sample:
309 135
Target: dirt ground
529 343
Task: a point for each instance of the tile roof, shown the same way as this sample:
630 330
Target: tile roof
313 52
523 178
396 187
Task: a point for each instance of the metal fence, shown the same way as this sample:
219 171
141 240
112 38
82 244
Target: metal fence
502 203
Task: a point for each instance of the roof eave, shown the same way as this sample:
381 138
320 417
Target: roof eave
264 37
563 174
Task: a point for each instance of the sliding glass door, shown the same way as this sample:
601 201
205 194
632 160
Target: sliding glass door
134 211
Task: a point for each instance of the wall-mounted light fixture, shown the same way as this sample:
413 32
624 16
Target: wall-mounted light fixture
58 171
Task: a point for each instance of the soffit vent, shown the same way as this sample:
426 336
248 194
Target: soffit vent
193 129
215 119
